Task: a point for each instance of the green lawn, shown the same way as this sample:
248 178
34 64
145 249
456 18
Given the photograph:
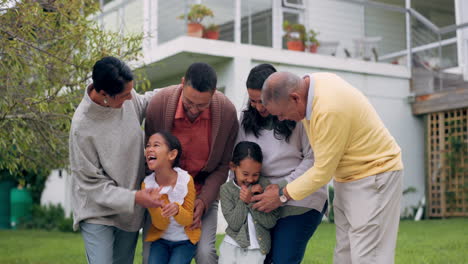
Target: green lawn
434 241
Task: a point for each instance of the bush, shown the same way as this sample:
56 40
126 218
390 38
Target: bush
410 211
50 217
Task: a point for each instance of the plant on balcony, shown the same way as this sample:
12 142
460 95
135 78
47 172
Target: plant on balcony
211 31
295 36
313 42
194 17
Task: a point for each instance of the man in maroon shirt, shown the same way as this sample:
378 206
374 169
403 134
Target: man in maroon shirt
205 122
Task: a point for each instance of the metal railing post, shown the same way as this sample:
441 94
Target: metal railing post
409 35
439 70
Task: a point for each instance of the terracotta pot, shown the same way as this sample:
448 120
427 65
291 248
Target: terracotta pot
313 48
211 34
296 45
195 30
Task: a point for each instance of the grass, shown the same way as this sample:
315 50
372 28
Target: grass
433 241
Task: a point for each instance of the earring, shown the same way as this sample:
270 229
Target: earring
105 101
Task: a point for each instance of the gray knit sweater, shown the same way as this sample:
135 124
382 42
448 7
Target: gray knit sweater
107 162
235 212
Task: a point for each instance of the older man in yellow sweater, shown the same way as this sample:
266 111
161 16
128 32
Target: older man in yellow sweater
351 145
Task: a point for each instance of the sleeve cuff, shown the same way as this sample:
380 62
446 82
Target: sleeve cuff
282 184
132 202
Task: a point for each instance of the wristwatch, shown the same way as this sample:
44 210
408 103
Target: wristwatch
282 197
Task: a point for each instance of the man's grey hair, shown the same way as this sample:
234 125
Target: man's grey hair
279 86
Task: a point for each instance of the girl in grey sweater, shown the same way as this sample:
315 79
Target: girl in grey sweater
247 237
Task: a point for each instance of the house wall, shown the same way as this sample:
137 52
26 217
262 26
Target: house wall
58 190
169 27
355 21
123 15
462 36
336 21
386 24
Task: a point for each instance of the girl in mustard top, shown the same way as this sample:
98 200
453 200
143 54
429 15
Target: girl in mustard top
172 241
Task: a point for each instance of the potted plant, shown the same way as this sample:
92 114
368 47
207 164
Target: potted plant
211 31
295 36
194 17
313 42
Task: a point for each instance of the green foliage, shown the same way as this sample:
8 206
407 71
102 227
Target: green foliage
312 37
456 166
5 175
410 189
46 55
294 31
410 211
212 27
34 181
50 217
197 13
429 242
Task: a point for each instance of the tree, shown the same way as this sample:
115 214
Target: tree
47 50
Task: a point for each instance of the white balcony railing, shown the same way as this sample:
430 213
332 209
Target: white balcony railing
362 29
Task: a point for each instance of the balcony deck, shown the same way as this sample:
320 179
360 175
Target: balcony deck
173 57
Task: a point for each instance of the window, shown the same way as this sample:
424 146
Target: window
256 22
298 4
294 17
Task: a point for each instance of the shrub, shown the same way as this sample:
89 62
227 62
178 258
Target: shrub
50 217
197 13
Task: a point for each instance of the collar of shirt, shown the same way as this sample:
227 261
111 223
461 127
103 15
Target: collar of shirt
310 97
180 112
234 182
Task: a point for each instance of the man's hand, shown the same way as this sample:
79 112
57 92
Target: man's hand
197 214
196 224
148 198
170 209
268 200
245 194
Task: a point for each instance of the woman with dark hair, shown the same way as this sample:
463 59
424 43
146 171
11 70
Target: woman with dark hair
286 156
107 164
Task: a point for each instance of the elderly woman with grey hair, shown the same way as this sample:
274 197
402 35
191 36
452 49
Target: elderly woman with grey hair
107 164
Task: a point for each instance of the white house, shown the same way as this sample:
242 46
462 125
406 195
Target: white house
251 33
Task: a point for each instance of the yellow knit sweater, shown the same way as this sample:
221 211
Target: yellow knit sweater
349 140
185 217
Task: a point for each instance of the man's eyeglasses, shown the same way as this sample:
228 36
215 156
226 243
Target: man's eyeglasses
190 104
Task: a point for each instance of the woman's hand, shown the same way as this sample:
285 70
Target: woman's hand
245 194
170 209
149 198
